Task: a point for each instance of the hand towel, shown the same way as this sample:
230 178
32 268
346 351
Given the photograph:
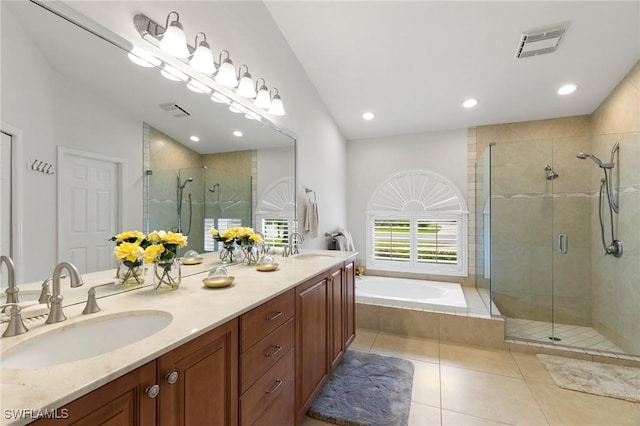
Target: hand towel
311 219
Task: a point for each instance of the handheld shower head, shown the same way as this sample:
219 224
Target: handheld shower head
584 156
186 181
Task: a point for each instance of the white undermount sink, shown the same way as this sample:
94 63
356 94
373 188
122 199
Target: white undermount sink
312 256
84 339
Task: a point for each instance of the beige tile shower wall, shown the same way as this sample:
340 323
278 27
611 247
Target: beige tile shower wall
616 289
168 154
620 112
236 162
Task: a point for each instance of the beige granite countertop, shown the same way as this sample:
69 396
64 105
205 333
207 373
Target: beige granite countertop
194 308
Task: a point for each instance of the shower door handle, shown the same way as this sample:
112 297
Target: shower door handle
563 243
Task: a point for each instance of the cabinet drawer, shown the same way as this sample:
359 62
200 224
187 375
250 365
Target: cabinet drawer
267 389
282 411
260 321
264 354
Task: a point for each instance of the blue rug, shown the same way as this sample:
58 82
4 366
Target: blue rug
366 389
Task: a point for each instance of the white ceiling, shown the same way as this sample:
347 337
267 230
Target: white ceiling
413 63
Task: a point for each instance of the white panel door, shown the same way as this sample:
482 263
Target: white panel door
5 201
88 206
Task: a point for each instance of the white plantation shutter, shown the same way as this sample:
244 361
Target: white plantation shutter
417 222
276 232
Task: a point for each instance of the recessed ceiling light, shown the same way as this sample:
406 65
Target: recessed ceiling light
368 116
237 133
470 103
194 138
567 89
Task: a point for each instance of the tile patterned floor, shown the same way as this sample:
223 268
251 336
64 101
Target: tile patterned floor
570 335
457 385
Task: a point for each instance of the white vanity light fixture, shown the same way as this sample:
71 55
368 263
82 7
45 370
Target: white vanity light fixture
470 103
143 58
368 116
567 89
277 107
226 74
195 138
246 87
202 59
237 133
174 41
173 74
263 98
198 87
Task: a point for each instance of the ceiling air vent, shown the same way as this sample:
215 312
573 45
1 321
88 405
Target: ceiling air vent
175 109
540 41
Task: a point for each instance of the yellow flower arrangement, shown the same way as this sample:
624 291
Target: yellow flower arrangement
242 235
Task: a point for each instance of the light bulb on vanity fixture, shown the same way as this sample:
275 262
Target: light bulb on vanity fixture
173 41
226 74
263 98
245 87
202 59
277 107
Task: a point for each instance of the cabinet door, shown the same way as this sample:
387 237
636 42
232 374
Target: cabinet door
123 402
204 389
336 316
312 366
350 304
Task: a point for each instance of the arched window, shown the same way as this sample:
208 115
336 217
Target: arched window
417 222
275 213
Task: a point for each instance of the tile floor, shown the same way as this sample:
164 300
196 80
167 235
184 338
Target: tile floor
570 335
457 385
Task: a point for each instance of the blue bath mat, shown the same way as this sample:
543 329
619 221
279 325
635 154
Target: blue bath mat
366 389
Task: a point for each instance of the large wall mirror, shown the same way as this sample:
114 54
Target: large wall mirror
117 138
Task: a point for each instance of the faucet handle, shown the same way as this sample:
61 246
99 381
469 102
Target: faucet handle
92 304
16 324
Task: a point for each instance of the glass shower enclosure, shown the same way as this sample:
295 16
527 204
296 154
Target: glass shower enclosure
559 240
193 200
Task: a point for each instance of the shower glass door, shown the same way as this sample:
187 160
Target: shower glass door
522 237
555 273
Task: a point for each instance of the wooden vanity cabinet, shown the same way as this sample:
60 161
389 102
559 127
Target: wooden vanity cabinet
265 367
199 380
121 402
203 390
325 327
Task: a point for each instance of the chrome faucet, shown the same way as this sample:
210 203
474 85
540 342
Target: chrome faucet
295 238
55 313
12 290
16 325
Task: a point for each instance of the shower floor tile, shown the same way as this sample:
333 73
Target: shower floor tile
570 335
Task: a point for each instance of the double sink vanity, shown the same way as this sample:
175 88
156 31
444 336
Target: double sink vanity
256 352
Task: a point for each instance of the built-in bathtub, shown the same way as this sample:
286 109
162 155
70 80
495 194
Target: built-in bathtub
425 309
411 293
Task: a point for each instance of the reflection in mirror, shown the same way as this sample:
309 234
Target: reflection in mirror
70 93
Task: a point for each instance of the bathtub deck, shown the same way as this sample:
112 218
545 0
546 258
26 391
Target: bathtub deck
474 327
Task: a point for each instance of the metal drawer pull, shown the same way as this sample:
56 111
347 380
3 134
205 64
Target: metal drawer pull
275 387
278 314
171 377
278 348
152 391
